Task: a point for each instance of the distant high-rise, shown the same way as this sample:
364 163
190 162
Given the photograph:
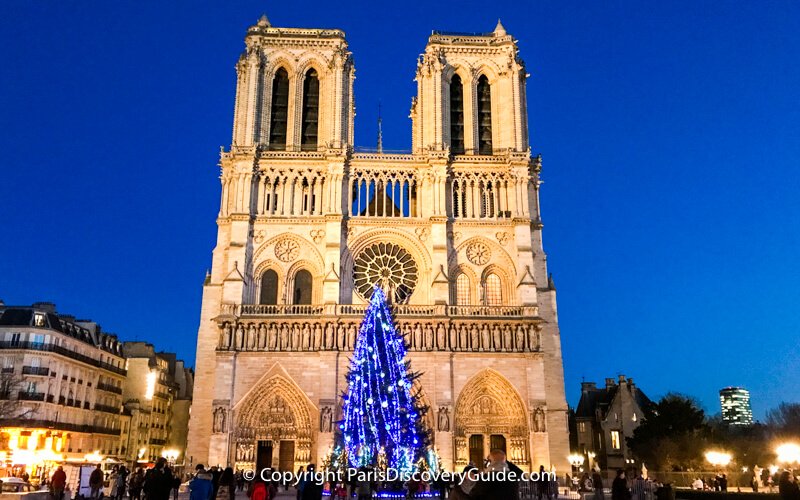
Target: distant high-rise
735 403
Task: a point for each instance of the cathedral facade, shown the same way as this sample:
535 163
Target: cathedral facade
307 227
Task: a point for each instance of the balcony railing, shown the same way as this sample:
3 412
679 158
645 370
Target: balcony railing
30 396
399 310
106 408
35 370
40 346
158 442
162 395
109 388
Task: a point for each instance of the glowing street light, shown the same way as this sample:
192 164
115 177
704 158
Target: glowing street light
576 460
171 455
788 453
93 457
718 458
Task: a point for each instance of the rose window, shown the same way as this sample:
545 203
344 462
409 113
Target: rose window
387 265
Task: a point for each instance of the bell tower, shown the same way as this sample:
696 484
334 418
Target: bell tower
470 94
294 89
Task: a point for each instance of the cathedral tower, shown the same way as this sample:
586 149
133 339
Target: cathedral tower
307 227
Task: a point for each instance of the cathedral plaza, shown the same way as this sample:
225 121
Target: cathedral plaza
308 226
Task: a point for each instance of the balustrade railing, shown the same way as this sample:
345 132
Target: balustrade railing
399 310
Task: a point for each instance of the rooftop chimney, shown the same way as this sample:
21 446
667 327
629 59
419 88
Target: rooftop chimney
587 387
47 306
610 383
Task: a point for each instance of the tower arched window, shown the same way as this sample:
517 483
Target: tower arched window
456 116
484 116
487 199
301 292
462 290
269 288
493 290
279 111
308 132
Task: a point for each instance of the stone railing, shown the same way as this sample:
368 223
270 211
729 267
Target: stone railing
334 327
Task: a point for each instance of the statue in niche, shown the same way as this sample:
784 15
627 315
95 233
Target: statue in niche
533 338
239 337
283 344
251 337
326 419
474 338
444 419
306 337
441 337
428 343
519 339
317 336
262 336
497 338
329 334
352 332
486 341
219 419
539 420
272 337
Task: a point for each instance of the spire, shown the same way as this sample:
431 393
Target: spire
499 30
380 130
264 21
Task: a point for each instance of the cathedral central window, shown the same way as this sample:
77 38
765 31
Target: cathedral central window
387 265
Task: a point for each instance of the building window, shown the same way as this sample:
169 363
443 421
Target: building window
484 116
310 111
615 443
269 288
493 291
582 426
31 389
279 111
456 116
462 290
303 284
487 199
38 319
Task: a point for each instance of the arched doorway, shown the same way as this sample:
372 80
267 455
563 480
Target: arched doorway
273 427
490 414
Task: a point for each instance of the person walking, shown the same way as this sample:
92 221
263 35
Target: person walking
158 481
96 482
136 484
619 487
58 482
496 486
201 486
227 485
312 488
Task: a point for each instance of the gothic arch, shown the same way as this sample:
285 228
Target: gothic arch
499 262
316 280
306 256
486 67
490 405
274 409
474 283
506 284
398 237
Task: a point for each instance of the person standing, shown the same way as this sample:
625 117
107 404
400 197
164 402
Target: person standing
96 482
787 486
158 483
136 483
201 486
58 482
227 485
597 485
619 487
312 488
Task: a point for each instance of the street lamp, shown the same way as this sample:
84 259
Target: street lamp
576 459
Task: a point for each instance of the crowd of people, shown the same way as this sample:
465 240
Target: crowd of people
157 483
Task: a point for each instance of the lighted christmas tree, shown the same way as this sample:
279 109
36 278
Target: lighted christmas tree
382 423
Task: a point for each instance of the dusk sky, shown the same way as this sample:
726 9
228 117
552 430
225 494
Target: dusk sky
670 136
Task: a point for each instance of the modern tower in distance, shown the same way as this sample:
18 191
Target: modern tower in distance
735 403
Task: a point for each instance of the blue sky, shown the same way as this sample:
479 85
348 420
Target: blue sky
670 133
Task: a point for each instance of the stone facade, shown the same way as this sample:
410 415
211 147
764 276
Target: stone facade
307 226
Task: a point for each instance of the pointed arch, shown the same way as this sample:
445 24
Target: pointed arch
484 115
279 109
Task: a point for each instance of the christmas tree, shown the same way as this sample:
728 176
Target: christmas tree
382 423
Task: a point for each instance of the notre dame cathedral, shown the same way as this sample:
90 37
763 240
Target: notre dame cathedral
307 226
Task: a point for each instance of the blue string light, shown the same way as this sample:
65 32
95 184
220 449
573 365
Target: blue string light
380 411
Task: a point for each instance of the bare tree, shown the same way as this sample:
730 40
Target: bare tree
11 407
785 419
